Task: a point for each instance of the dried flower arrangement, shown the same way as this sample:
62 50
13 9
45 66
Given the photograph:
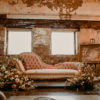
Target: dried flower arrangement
12 79
85 81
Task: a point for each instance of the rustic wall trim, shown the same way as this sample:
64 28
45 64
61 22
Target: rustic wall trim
2 35
30 23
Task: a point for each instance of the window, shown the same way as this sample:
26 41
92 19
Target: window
19 41
63 43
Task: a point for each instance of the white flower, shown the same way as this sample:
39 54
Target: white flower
16 76
3 68
88 78
17 80
5 76
6 72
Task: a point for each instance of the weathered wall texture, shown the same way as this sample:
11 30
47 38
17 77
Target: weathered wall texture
1 42
42 44
86 34
89 8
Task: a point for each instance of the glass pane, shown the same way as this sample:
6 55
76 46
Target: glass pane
19 41
62 43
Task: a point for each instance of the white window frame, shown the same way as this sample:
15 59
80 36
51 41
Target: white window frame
75 42
7 40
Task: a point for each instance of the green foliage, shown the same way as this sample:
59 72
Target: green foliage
12 78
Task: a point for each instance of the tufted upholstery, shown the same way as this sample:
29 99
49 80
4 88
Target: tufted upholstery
32 61
30 64
68 65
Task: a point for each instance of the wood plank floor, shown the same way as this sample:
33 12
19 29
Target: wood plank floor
50 91
53 92
54 89
69 97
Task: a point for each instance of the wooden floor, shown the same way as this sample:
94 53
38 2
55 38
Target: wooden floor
53 92
51 89
69 97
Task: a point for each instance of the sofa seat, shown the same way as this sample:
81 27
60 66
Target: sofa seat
52 71
31 65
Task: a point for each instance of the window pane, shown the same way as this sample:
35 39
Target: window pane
62 43
19 41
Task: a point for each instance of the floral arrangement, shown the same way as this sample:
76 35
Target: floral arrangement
85 80
12 78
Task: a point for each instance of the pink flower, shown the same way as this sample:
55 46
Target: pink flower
88 78
5 76
11 73
23 86
26 79
11 78
16 76
14 86
6 72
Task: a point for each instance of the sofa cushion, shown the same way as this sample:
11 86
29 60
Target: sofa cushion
52 72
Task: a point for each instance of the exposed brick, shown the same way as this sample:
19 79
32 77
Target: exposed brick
97 69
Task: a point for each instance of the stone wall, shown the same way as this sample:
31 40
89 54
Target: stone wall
42 44
89 8
1 42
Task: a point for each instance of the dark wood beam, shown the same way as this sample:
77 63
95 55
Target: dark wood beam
31 23
3 16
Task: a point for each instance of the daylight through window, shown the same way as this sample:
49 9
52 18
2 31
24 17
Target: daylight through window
19 41
63 43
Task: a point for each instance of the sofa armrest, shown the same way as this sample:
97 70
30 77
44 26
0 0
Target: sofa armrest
18 64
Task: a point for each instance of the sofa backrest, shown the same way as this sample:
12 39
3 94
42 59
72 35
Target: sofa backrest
31 61
68 65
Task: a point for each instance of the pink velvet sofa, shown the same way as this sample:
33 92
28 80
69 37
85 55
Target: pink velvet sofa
31 65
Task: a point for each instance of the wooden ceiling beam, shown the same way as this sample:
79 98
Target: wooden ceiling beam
31 23
3 16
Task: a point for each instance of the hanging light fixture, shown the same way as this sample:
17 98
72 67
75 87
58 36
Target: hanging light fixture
65 7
